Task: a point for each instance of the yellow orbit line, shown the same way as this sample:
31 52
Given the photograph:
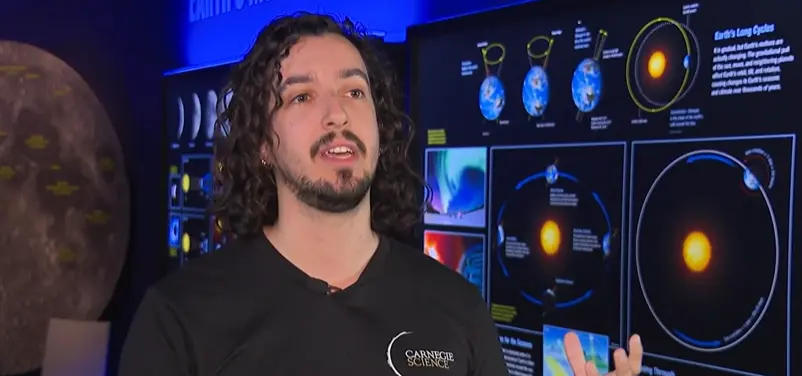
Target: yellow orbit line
548 40
488 48
629 62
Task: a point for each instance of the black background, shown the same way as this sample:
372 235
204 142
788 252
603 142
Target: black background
599 168
518 342
719 300
446 100
198 153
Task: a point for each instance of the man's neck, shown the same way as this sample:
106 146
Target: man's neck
328 246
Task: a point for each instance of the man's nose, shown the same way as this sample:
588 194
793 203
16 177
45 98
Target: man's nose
335 114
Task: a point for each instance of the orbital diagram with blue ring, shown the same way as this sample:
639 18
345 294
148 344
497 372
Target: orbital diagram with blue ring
556 245
710 219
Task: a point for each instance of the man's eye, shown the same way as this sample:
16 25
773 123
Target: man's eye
356 93
300 98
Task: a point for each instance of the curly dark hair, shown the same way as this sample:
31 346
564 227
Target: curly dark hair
245 197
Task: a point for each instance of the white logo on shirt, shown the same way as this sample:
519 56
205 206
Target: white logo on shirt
421 358
390 349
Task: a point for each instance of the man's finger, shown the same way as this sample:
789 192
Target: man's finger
574 353
621 363
591 370
635 354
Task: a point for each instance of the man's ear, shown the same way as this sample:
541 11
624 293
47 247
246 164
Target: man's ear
265 155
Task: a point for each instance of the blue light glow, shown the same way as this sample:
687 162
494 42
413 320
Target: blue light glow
221 31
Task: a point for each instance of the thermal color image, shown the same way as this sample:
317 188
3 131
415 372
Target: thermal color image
463 253
456 177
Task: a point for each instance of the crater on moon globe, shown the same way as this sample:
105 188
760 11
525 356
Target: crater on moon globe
64 198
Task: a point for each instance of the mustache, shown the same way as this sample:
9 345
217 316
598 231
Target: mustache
329 137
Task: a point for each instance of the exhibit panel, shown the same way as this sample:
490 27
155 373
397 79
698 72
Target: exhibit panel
455 215
635 166
193 103
660 70
719 248
556 230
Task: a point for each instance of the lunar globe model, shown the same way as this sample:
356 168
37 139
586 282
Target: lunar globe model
64 198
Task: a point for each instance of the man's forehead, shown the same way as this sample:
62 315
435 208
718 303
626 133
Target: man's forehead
320 56
327 73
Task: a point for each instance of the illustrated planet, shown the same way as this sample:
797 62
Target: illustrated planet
586 85
65 201
535 93
492 98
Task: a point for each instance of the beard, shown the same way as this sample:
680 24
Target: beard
344 196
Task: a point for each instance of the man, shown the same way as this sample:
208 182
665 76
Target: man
314 182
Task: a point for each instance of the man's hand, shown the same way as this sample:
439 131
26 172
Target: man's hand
624 366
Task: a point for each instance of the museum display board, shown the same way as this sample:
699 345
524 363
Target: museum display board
616 168
192 108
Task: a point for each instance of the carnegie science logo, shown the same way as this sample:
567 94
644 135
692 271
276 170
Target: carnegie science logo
417 358
429 359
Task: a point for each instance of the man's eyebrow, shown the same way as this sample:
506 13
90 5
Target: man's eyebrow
305 79
355 72
294 80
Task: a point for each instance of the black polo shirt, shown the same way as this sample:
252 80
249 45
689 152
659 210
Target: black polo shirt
246 310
